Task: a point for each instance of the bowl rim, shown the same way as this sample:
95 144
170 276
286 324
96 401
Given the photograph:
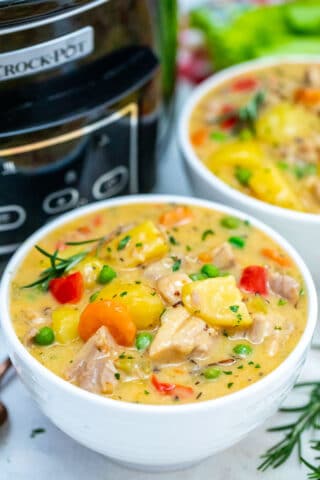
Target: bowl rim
68 388
194 161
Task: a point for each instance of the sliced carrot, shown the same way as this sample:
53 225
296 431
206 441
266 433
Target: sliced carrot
111 314
309 96
84 229
176 216
97 221
277 257
198 137
205 257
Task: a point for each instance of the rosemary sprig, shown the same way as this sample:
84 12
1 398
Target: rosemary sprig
308 419
58 267
85 242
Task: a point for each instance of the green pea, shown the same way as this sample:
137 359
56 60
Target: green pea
198 276
210 270
243 175
143 340
230 222
106 275
242 350
45 336
211 373
218 136
237 242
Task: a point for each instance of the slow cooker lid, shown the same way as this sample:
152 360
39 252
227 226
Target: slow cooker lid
66 97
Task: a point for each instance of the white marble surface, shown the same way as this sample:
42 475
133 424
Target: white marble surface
53 455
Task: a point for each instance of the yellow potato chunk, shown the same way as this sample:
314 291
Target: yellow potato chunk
90 268
65 322
269 185
218 301
141 244
143 303
247 154
284 122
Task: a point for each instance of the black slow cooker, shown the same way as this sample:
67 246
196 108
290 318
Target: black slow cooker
86 92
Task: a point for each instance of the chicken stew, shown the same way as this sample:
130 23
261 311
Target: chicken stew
159 303
260 133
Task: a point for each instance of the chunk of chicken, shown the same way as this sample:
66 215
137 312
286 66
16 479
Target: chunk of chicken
93 368
181 335
284 286
158 269
275 329
170 286
262 327
312 76
34 323
223 256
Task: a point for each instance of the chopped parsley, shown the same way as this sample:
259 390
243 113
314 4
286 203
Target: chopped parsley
206 233
37 431
117 375
176 266
230 385
123 294
282 301
234 308
124 242
172 240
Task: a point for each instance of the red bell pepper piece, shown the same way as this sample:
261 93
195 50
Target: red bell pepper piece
244 84
67 289
229 123
171 388
254 280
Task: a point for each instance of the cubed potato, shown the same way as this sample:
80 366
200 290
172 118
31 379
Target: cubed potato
247 154
144 304
269 185
218 301
284 122
65 322
141 244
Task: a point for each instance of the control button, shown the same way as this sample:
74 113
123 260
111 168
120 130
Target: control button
110 183
11 217
60 201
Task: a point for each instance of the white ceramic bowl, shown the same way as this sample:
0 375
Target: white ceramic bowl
301 229
150 436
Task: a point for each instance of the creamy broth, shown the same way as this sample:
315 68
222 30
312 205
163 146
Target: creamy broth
260 133
196 322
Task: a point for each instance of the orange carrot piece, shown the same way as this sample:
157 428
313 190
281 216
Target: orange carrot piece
309 96
277 257
205 257
198 137
111 314
176 216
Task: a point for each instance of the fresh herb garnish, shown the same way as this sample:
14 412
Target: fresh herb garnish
84 242
206 233
117 375
172 240
59 266
176 266
249 112
37 431
234 308
308 419
123 242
